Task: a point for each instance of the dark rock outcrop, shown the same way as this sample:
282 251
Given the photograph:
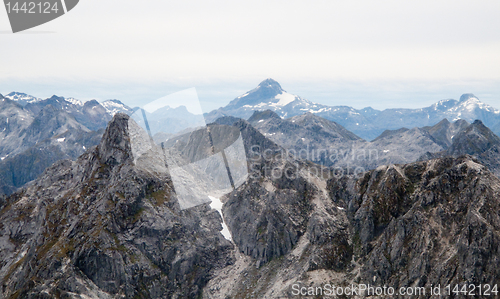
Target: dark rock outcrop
103 228
476 140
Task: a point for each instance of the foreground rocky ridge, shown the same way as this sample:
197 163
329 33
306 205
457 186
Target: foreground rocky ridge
109 225
104 228
421 224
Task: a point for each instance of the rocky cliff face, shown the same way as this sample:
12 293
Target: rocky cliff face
433 222
321 141
421 224
31 144
103 227
476 140
109 225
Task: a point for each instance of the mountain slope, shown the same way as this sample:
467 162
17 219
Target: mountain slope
103 227
444 131
306 136
31 142
433 222
476 140
318 140
13 121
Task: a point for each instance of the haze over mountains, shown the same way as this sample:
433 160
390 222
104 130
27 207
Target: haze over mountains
367 123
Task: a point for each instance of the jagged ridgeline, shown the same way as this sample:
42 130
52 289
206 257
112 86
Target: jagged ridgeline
110 225
35 133
104 226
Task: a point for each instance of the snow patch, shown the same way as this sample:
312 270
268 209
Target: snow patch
284 99
74 101
217 205
243 95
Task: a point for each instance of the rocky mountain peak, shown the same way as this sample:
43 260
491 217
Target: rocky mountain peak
466 96
444 123
263 115
267 92
55 98
91 103
21 98
271 84
477 128
115 145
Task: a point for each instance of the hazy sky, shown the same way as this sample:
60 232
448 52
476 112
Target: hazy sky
357 53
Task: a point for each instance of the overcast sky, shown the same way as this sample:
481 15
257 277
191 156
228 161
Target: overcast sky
357 53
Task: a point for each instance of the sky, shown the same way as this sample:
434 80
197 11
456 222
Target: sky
383 54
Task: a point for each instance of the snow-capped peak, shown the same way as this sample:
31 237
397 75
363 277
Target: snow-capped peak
473 103
74 101
467 96
115 106
272 84
22 98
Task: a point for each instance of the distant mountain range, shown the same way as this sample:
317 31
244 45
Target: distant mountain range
310 137
111 106
367 123
34 133
329 135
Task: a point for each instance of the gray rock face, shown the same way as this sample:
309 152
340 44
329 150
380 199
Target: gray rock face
475 140
420 224
36 133
22 98
444 131
428 223
398 225
102 227
318 140
30 143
